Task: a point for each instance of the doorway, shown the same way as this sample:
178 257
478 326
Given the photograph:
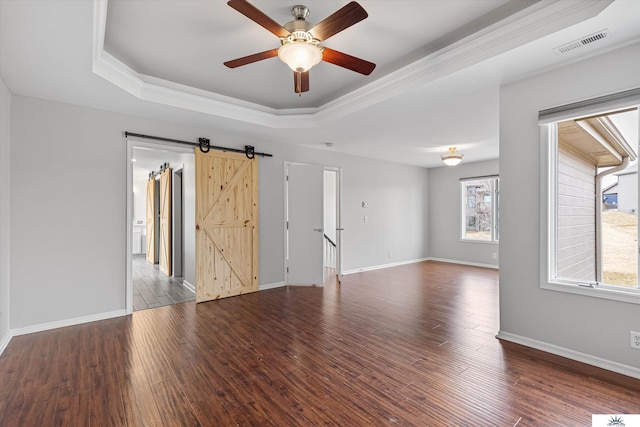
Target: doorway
312 229
146 286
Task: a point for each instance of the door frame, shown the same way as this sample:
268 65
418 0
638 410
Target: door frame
338 171
177 226
339 230
131 144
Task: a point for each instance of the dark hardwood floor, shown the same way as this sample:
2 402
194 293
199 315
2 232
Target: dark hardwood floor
410 345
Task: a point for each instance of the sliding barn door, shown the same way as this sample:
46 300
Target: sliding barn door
226 225
152 255
164 248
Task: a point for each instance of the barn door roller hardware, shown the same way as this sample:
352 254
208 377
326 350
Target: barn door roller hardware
204 144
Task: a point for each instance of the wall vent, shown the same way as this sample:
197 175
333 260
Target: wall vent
591 38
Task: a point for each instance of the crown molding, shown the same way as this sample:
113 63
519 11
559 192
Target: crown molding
541 18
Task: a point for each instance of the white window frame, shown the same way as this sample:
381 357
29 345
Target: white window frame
495 188
548 120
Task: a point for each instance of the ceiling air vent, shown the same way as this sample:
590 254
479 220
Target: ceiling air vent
591 38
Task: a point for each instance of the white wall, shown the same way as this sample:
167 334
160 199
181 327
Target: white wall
588 325
189 218
68 210
444 215
5 208
139 198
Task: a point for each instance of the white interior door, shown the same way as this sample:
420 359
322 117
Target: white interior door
305 216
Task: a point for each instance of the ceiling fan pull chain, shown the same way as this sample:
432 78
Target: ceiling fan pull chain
204 144
299 83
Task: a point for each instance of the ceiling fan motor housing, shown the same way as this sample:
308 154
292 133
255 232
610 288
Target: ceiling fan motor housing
300 12
300 23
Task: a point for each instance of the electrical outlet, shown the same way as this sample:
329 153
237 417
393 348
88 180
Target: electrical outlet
495 255
390 255
366 219
634 339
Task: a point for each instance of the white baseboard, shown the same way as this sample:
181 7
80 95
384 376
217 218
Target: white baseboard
188 286
381 266
609 365
455 261
67 322
5 341
267 286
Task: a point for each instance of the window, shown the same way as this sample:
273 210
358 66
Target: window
589 199
480 212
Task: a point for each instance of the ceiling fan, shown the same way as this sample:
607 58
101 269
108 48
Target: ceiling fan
300 41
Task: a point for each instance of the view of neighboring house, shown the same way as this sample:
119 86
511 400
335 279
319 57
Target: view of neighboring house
588 150
478 209
623 194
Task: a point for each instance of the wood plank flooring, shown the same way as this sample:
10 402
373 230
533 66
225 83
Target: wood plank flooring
408 346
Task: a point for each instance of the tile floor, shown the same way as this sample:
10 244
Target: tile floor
151 288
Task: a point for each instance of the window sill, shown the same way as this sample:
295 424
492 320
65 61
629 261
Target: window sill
486 242
630 296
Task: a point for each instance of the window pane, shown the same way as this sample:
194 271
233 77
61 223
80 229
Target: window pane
620 228
479 209
596 194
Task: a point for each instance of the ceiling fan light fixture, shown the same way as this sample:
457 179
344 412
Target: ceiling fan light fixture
452 158
300 51
300 40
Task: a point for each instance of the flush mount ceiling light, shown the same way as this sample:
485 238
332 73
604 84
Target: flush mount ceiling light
300 40
452 158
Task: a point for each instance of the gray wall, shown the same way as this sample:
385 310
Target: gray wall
588 325
68 208
444 215
5 225
330 204
397 197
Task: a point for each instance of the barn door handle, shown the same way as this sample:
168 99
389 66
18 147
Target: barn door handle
318 230
339 229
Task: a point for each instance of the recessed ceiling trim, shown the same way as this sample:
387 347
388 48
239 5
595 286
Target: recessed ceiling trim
537 20
114 71
189 98
534 22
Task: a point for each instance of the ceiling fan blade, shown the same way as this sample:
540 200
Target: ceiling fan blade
257 16
251 58
347 61
343 18
301 82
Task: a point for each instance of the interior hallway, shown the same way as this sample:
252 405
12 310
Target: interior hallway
151 288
